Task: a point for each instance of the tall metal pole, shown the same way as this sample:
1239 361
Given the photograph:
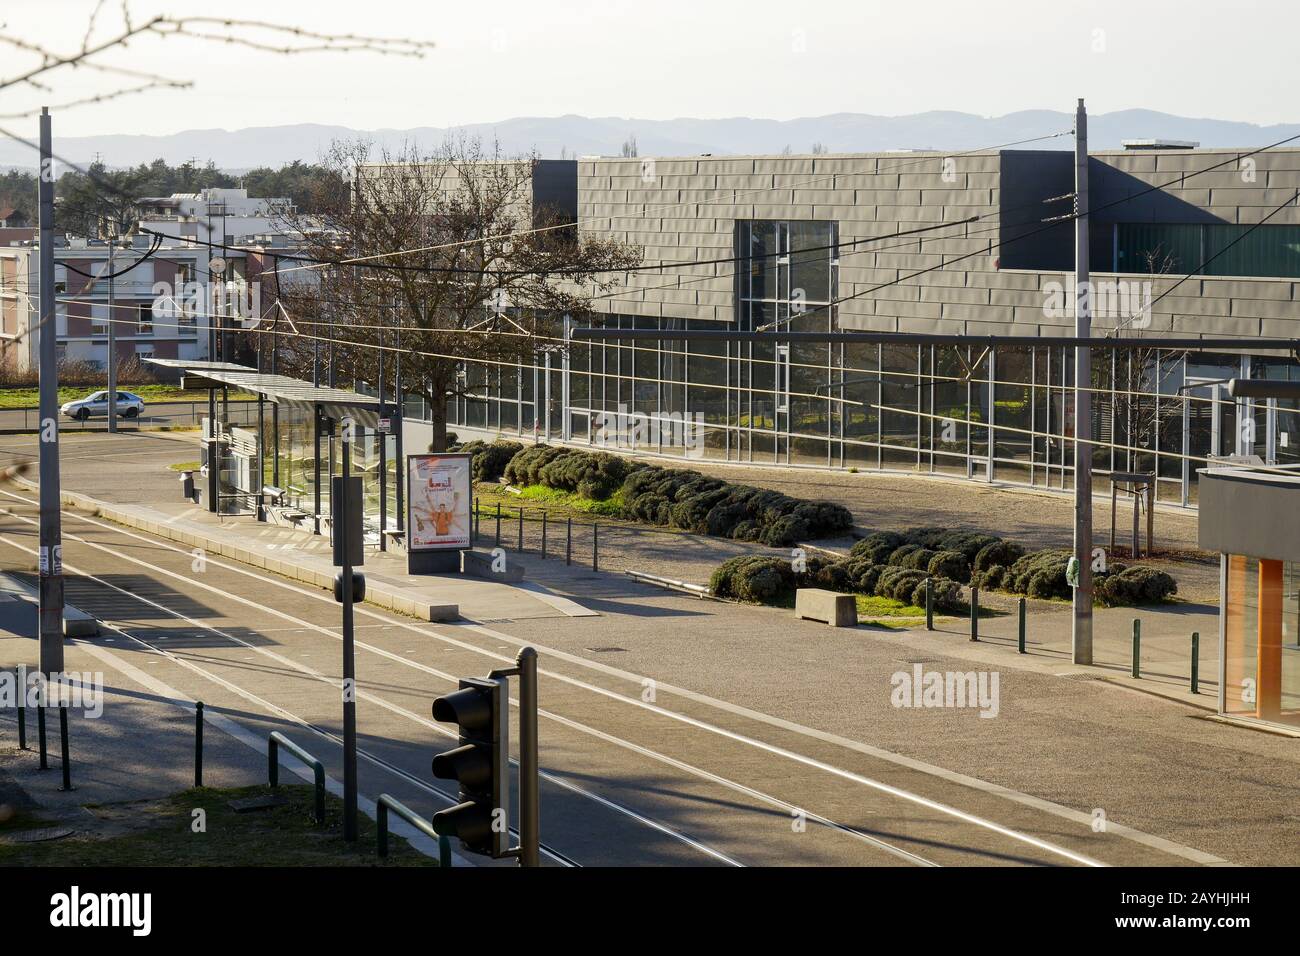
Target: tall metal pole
349 659
1081 634
112 334
529 814
51 544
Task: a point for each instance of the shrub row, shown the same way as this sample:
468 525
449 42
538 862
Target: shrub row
490 458
1042 574
765 580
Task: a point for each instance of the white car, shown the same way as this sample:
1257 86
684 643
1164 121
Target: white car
96 405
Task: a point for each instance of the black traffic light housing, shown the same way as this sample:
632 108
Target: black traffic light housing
480 764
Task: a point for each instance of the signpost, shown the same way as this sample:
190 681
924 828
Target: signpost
439 493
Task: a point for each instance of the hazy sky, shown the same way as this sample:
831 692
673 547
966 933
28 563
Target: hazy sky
659 59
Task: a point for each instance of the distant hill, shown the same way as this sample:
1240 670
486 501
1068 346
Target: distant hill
581 135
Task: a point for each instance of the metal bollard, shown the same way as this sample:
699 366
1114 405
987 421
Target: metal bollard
474 525
1137 648
40 733
929 604
497 543
974 613
1020 634
568 541
543 535
1196 662
198 743
521 530
595 545
22 720
63 744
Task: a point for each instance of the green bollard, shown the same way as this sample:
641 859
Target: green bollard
1137 648
974 613
929 604
1196 662
1020 633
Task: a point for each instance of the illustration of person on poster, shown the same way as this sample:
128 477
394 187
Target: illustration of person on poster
439 502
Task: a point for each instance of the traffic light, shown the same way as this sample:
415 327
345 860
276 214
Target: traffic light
480 765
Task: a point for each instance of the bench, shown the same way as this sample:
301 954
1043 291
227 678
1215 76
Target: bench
818 604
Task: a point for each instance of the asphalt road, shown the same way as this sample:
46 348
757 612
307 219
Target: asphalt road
651 756
156 414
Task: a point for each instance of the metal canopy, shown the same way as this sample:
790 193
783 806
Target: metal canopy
335 402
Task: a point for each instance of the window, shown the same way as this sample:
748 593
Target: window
1270 250
793 270
146 320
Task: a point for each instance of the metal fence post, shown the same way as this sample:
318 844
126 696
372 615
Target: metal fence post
1196 662
63 747
568 540
475 523
22 715
974 613
543 534
929 604
595 546
40 733
1020 632
521 530
497 543
1137 648
198 743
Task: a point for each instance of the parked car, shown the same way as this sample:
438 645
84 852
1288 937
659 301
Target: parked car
128 406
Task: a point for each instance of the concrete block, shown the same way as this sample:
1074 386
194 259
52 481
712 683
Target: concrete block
479 564
817 604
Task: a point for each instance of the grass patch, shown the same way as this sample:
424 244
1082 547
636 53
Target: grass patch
160 832
551 500
876 606
186 466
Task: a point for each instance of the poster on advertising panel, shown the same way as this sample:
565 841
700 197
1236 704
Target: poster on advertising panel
438 501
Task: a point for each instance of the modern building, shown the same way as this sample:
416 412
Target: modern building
932 243
215 215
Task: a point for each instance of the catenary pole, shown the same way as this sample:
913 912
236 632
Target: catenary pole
51 545
1081 633
112 332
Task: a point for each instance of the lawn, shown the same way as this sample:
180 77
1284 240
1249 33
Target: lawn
162 832
29 397
540 498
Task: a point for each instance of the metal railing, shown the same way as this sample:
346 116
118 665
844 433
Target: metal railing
274 743
387 803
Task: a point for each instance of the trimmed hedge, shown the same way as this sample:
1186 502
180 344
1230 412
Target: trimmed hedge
490 459
952 565
1135 585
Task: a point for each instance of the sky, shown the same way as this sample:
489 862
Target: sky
497 59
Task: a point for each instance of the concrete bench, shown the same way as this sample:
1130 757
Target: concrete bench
479 564
817 604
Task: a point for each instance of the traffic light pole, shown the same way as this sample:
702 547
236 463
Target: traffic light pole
51 544
349 659
529 810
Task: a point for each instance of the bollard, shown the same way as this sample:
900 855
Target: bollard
22 720
1137 648
929 604
40 733
974 613
595 545
1196 662
1020 633
521 530
497 543
568 541
63 744
543 534
198 743
473 523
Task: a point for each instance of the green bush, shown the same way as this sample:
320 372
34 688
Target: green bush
947 595
898 557
594 475
1134 585
1039 574
969 543
899 583
490 459
877 546
526 467
950 564
928 538
1005 553
754 578
991 578
919 560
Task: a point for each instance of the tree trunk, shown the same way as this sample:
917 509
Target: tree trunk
438 417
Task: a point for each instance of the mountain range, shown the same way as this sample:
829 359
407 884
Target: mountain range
573 135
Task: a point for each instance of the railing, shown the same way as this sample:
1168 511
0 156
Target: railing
274 743
178 414
387 803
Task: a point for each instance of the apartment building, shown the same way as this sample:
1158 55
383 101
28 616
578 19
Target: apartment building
934 243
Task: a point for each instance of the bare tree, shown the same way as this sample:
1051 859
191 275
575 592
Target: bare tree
483 279
629 145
